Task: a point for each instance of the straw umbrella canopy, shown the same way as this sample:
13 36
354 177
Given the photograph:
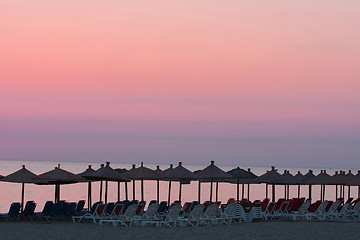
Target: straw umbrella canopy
167 172
323 179
182 175
58 177
212 173
298 179
21 176
106 174
242 176
142 173
88 171
271 177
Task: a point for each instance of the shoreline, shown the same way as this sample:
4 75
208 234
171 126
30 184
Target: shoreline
255 230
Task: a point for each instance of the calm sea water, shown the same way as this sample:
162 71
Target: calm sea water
11 192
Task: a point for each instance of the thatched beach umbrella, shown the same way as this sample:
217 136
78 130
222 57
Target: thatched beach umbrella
288 179
182 175
58 177
356 182
88 171
338 175
323 179
21 176
167 172
271 177
106 174
244 177
142 173
298 179
121 171
345 179
212 173
307 177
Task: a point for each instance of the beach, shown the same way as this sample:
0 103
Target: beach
256 231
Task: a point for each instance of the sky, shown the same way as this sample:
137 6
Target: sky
244 83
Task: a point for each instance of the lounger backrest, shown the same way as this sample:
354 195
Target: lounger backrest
110 207
334 207
197 211
357 207
211 210
194 203
322 207
186 207
270 207
70 209
264 204
305 206
14 209
174 212
139 209
130 211
117 210
80 206
279 203
344 208
29 208
100 210
284 206
57 209
152 210
230 208
162 207
94 206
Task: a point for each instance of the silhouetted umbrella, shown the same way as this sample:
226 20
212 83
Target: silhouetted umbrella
121 171
307 177
142 173
288 179
167 173
106 173
345 179
271 177
298 179
58 177
338 175
213 173
88 171
242 176
323 179
21 176
182 175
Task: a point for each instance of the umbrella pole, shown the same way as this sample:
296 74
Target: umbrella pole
158 190
199 191
101 183
310 191
142 190
288 191
106 191
217 191
336 191
324 193
134 190
22 196
249 191
237 190
285 192
126 191
299 191
180 186
58 193
118 195
266 191
343 196
358 191
211 188
169 193
349 192
273 192
321 194
89 195
242 191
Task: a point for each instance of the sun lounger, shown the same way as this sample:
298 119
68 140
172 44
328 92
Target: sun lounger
269 211
14 212
124 219
319 214
301 213
98 214
227 215
333 210
170 219
29 210
194 217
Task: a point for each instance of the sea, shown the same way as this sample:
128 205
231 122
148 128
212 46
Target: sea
11 192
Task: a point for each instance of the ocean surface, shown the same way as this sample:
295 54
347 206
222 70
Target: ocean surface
11 192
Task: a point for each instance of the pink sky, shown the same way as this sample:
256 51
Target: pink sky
240 82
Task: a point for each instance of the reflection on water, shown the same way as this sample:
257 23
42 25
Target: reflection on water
11 192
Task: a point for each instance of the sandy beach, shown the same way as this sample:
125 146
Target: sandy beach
255 230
